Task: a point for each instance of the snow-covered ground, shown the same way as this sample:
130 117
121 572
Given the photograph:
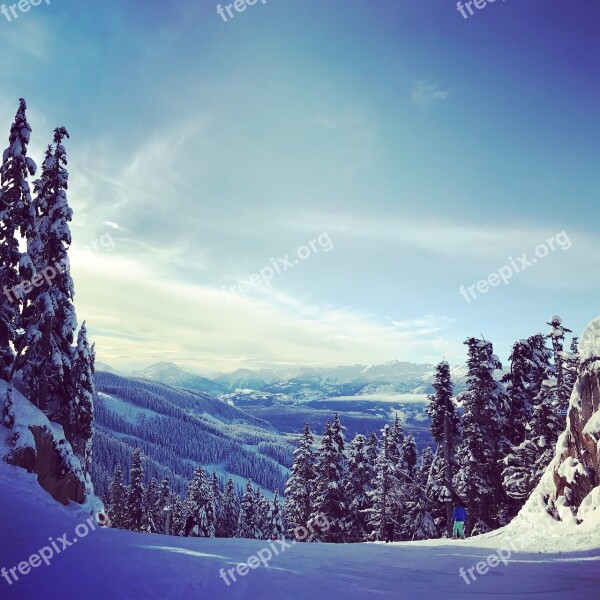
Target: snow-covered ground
107 564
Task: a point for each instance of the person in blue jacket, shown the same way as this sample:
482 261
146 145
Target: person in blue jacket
459 516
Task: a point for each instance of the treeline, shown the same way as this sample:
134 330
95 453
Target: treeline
208 509
174 439
493 443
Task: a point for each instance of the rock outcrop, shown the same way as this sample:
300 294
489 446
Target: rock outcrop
30 441
566 503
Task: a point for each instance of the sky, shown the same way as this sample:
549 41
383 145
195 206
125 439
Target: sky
311 182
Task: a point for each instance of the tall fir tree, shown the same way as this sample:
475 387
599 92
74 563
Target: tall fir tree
230 510
328 497
419 522
299 487
247 520
16 216
81 406
531 378
164 501
117 508
445 432
49 316
484 439
275 529
150 521
382 515
135 494
200 503
358 485
557 337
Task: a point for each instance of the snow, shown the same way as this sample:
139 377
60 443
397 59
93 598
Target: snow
589 346
119 564
26 415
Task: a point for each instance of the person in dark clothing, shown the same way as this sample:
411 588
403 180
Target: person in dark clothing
189 525
389 532
459 516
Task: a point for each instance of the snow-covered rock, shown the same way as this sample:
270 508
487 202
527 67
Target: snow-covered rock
566 504
38 445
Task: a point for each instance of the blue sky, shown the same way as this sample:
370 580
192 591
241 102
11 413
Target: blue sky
428 147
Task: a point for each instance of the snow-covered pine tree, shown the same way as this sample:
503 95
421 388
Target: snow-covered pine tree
201 504
178 515
557 337
276 529
418 523
572 365
484 439
150 521
215 490
246 526
117 507
372 450
395 441
230 510
261 515
163 501
445 432
297 506
15 215
530 368
135 494
328 497
382 514
81 408
49 317
359 482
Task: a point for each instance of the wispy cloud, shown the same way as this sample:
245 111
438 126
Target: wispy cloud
425 93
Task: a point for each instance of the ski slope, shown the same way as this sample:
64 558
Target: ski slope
113 564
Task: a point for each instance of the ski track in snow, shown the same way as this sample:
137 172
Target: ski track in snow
117 564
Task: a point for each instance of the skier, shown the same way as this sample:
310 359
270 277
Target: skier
460 516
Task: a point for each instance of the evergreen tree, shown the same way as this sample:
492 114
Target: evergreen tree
372 450
150 521
261 516
15 215
164 500
49 317
419 521
247 520
358 485
381 516
275 529
572 365
299 488
200 503
484 439
557 337
230 510
82 407
532 377
215 490
117 508
445 432
135 494
328 497
178 508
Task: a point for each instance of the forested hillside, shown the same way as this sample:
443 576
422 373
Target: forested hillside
178 429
